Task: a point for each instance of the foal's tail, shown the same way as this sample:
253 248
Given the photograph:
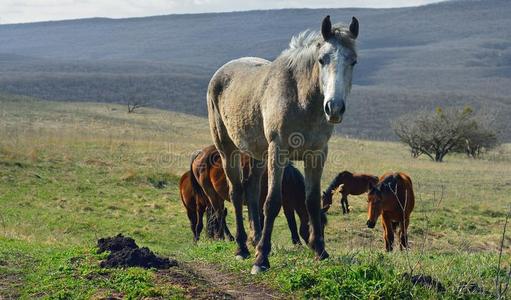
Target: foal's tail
195 184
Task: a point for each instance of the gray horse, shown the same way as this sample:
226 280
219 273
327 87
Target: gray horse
279 111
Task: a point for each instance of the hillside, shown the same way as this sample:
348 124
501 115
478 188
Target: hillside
450 53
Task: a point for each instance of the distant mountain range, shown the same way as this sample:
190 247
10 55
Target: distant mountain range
449 53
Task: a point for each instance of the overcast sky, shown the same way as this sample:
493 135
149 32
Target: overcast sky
21 11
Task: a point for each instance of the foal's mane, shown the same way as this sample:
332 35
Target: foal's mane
301 55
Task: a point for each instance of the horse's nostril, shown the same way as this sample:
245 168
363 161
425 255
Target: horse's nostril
327 107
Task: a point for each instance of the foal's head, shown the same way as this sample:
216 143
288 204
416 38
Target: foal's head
378 198
336 58
374 205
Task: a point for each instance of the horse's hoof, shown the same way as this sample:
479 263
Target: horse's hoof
240 257
323 255
242 253
258 269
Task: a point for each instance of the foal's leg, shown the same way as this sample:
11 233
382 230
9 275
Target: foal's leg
210 224
388 233
271 206
226 229
403 234
301 210
192 216
216 202
344 204
313 167
218 215
200 224
289 212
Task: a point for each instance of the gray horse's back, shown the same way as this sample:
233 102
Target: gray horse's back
232 92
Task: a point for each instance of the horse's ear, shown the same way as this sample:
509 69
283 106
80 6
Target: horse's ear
326 28
354 27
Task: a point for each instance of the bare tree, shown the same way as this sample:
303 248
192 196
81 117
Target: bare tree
134 103
134 98
437 133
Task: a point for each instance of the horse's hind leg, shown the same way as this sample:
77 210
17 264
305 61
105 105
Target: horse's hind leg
291 221
210 224
301 210
231 162
216 202
200 224
253 195
192 216
226 228
276 163
232 167
218 216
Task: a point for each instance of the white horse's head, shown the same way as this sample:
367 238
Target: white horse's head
337 58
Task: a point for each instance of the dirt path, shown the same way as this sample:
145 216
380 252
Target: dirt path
233 284
206 281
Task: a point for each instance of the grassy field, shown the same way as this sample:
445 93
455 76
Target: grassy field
72 173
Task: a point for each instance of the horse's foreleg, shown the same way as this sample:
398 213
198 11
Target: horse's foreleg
403 234
253 194
344 204
313 166
388 233
272 206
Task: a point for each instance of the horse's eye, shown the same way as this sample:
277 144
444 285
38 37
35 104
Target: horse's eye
353 63
321 61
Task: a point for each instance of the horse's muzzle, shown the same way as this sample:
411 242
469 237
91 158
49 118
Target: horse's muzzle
334 111
371 224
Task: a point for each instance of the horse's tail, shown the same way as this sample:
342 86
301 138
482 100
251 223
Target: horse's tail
181 182
195 184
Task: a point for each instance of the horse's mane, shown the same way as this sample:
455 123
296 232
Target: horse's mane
332 186
388 184
302 52
337 181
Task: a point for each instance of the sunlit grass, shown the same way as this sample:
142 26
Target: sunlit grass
71 173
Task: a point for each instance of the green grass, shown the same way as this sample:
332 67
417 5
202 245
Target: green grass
72 173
